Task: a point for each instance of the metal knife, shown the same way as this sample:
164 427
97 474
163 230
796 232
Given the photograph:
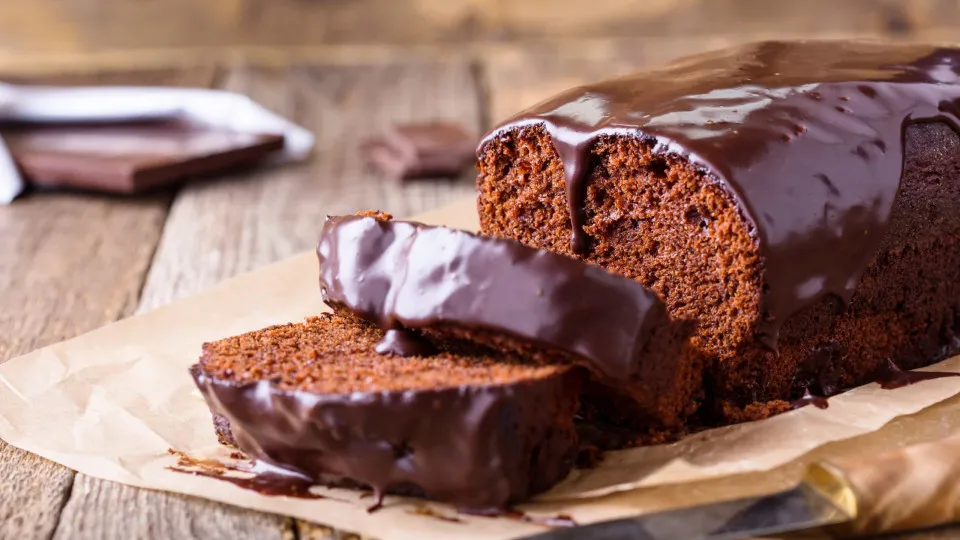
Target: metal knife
913 488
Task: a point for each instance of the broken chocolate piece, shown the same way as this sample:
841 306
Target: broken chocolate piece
431 150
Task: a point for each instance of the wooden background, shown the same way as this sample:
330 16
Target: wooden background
346 69
97 25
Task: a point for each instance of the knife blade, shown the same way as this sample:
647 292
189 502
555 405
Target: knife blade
912 488
803 507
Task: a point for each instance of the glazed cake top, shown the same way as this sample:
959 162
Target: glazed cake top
806 136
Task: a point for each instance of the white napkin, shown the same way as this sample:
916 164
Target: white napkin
226 110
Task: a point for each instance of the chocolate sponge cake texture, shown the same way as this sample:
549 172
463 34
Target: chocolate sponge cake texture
798 201
314 398
546 308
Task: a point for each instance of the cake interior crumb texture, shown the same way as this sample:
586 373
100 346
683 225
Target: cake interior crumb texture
334 354
674 227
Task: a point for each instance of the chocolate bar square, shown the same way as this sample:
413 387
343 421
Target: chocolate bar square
429 150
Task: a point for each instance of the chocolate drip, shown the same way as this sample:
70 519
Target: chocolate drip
400 442
556 521
890 376
401 274
433 513
404 343
819 402
574 159
260 477
264 483
378 501
806 136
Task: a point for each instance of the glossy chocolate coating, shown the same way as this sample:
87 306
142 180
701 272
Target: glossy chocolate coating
806 136
394 272
404 343
470 446
891 377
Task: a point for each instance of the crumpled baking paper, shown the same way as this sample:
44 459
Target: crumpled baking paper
112 402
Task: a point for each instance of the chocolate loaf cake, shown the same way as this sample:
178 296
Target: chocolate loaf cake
537 304
799 201
458 426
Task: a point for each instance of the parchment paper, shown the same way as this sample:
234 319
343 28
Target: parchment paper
110 403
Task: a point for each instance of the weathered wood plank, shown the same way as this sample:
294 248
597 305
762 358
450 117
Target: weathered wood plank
200 74
74 25
219 229
70 263
99 509
230 225
33 492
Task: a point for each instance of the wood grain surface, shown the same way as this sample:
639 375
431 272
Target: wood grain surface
99 509
71 263
234 224
86 25
74 262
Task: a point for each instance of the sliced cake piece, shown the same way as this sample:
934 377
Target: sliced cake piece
518 300
315 398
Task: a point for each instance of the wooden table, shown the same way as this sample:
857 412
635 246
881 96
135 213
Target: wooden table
74 262
107 26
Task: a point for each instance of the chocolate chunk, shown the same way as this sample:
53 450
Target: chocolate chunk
430 150
130 157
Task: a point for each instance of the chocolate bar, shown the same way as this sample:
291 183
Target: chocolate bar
130 157
429 150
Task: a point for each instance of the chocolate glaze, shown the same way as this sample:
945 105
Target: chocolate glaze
258 476
394 272
806 136
430 512
470 446
265 483
556 521
819 402
890 376
404 343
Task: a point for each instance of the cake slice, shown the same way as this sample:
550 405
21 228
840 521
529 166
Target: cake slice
547 308
800 201
463 427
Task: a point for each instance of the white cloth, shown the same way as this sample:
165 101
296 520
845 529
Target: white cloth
217 108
